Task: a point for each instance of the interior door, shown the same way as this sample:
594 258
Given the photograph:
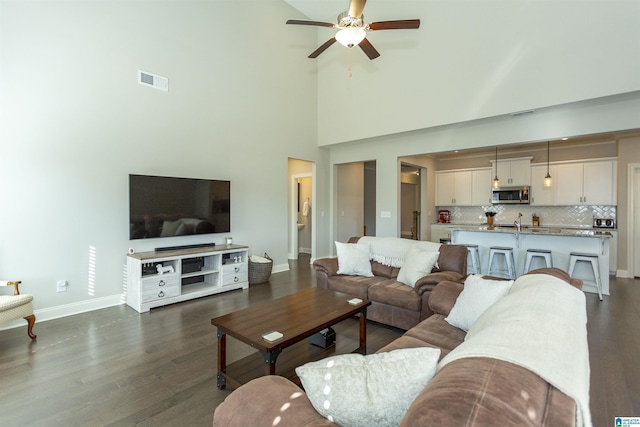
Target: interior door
410 202
636 225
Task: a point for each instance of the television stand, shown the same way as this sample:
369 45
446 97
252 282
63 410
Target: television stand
155 279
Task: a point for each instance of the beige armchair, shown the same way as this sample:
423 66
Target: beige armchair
15 306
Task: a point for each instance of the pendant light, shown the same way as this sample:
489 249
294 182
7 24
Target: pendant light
496 181
548 181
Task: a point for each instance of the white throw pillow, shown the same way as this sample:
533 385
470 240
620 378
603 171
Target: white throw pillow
353 259
417 264
478 295
373 390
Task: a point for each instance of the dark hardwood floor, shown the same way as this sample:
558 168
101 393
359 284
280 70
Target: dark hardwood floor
118 367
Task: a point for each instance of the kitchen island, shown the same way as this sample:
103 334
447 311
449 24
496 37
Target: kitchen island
560 241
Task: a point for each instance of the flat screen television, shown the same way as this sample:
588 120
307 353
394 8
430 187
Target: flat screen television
161 206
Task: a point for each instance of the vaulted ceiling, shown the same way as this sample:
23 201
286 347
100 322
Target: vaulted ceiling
320 10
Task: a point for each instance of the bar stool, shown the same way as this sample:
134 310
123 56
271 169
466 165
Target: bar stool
474 259
540 253
592 259
509 260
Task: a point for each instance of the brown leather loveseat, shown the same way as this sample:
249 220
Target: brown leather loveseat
394 303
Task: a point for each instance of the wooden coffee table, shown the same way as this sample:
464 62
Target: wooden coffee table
297 317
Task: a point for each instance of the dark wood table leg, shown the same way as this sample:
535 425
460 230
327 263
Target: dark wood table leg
269 358
363 331
222 358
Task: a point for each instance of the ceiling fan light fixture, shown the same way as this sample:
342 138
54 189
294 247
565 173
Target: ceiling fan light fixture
350 36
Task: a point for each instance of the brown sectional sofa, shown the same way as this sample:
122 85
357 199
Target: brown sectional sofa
394 303
470 392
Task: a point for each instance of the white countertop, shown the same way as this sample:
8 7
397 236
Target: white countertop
550 231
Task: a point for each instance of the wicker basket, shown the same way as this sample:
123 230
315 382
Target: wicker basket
259 272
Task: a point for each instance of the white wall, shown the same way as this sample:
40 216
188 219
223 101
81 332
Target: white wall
474 59
75 123
349 201
588 117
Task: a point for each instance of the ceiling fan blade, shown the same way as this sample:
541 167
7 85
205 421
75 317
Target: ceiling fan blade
404 24
322 48
356 7
316 23
368 49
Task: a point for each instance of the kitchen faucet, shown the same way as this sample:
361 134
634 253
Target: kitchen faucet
518 222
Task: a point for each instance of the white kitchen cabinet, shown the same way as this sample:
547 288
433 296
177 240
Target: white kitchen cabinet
600 184
514 172
454 188
481 187
585 183
539 194
468 187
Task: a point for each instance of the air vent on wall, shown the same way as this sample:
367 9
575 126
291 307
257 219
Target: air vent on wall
153 80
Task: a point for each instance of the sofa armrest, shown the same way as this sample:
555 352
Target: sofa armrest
328 266
453 258
325 268
560 274
443 297
430 281
480 391
268 401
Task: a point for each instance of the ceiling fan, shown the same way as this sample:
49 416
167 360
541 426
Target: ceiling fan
353 30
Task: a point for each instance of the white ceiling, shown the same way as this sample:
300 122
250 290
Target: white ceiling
317 10
320 10
328 10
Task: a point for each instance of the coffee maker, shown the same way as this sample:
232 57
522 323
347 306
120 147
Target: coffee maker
445 216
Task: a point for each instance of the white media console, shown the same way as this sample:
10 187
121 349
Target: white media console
155 279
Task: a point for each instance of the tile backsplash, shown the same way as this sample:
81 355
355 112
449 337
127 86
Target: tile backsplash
569 216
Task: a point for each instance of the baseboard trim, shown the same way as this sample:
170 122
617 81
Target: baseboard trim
280 268
65 310
623 273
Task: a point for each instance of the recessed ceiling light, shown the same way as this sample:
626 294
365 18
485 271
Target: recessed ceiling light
565 138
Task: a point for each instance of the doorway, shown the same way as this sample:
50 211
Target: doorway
355 209
304 219
633 239
410 191
301 209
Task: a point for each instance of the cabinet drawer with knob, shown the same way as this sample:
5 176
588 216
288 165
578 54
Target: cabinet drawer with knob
159 287
235 273
160 292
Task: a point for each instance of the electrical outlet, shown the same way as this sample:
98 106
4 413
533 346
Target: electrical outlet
61 286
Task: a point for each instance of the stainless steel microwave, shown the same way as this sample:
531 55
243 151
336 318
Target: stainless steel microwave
510 195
